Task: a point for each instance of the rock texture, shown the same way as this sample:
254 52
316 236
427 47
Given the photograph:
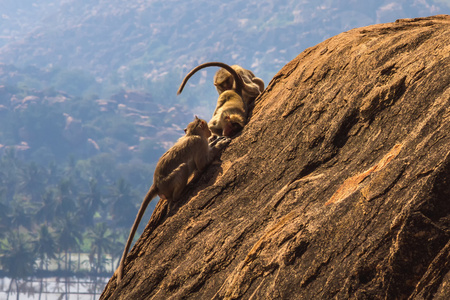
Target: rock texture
339 186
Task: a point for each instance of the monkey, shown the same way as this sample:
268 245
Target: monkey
230 115
254 86
228 122
189 155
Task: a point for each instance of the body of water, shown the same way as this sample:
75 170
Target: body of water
53 288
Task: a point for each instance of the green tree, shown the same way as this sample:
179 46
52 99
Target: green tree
46 209
101 243
121 203
118 236
64 198
20 214
17 258
69 237
32 181
44 246
89 204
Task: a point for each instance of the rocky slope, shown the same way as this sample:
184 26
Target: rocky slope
337 187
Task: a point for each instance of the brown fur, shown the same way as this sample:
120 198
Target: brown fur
253 86
229 103
231 107
190 155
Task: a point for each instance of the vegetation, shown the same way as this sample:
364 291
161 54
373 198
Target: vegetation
74 168
73 171
67 215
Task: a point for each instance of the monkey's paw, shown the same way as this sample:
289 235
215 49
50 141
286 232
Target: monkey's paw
212 140
222 141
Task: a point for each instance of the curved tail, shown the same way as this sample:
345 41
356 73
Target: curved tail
152 193
239 82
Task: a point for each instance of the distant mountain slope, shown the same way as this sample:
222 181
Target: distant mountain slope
136 42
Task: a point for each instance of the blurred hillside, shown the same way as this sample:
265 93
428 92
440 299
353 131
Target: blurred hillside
152 44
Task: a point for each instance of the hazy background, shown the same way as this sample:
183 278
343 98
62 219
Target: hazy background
149 45
88 100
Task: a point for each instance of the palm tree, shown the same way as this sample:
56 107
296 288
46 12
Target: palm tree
64 206
69 237
64 198
44 246
118 236
46 210
17 258
89 204
20 214
101 239
122 208
32 181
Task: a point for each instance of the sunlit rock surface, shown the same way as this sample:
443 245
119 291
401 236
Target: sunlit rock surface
339 186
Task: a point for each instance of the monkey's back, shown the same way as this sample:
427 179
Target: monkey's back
182 152
231 100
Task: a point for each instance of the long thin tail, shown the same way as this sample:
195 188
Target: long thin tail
152 193
239 82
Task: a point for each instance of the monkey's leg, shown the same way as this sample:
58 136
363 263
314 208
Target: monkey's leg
181 177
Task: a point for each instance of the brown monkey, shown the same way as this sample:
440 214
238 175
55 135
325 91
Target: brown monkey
230 114
253 86
190 154
230 123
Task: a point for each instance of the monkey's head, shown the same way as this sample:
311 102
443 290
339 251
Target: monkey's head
223 80
198 127
231 125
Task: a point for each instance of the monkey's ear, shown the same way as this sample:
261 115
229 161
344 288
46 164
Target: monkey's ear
185 130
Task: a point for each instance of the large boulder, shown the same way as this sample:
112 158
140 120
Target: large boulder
338 187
